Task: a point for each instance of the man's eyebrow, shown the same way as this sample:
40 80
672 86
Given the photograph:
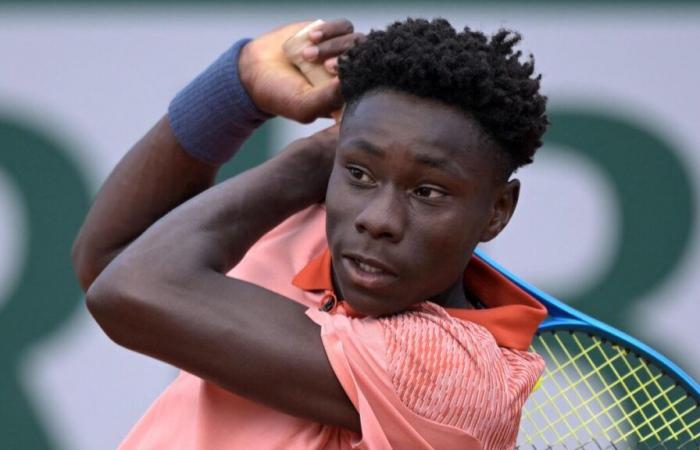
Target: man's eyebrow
366 146
443 164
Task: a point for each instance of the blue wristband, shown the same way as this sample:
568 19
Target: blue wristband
213 115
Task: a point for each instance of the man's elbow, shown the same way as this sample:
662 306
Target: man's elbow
89 260
112 301
83 264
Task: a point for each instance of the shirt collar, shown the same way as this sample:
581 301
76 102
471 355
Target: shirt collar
511 314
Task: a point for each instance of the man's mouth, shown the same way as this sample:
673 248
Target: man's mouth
367 267
368 272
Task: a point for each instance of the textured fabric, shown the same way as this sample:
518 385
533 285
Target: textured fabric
356 349
213 115
511 314
419 380
453 372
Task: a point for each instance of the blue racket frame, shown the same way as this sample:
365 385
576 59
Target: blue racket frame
563 316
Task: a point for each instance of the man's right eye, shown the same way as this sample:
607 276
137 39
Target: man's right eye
359 174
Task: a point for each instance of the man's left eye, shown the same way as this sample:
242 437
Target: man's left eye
428 192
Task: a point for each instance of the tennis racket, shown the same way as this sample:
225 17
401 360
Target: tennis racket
601 388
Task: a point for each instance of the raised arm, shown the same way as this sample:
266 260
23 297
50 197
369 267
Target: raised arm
164 292
153 178
160 172
167 296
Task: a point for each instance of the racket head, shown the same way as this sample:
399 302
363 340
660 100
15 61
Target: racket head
603 388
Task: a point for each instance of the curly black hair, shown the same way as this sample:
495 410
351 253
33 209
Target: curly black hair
485 78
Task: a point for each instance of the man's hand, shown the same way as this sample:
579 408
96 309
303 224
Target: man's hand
157 174
277 87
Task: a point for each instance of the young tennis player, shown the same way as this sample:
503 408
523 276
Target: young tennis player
358 322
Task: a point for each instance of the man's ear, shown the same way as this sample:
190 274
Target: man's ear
503 209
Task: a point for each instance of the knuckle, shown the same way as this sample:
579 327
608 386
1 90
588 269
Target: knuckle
328 48
349 27
354 39
342 25
339 46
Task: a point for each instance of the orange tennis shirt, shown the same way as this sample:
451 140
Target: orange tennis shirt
428 378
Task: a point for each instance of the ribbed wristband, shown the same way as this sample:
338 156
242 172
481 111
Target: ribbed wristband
213 115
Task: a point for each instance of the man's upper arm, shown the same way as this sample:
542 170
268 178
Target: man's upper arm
242 337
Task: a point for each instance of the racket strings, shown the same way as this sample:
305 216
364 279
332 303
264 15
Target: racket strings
572 386
596 394
675 414
663 421
638 408
626 416
597 397
655 426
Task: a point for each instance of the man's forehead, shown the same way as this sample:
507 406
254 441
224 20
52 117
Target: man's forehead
390 119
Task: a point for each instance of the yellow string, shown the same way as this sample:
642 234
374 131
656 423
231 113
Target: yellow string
552 375
684 428
551 398
583 424
632 397
668 400
570 384
670 414
637 427
597 370
646 391
605 410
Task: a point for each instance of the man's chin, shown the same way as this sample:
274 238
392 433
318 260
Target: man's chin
364 305
367 301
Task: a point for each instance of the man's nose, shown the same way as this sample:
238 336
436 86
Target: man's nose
384 215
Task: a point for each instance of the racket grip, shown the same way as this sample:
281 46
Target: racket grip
316 73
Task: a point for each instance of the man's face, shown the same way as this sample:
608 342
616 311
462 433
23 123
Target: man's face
414 188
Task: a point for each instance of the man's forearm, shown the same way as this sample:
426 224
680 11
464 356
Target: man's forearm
224 222
157 288
207 123
155 176
167 296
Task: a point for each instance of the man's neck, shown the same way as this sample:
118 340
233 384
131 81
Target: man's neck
454 297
